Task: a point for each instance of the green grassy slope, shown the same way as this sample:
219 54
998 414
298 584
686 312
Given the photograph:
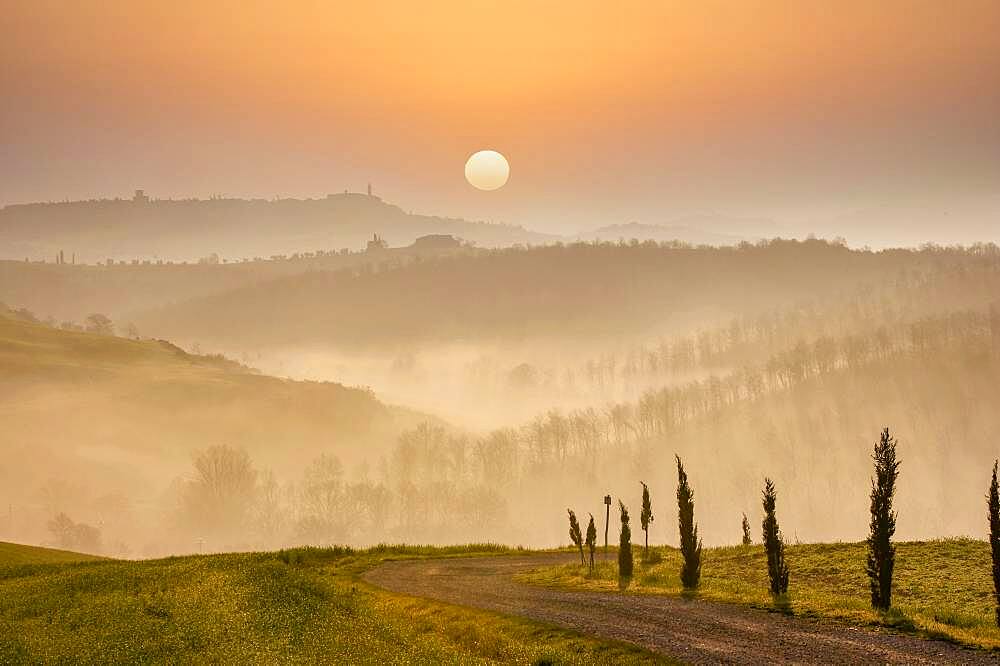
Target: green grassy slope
300 606
15 554
941 589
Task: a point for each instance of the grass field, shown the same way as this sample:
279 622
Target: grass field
303 605
941 589
14 554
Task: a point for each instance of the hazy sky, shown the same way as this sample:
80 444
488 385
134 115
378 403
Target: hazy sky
822 115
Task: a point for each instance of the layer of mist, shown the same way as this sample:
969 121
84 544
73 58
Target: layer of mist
483 421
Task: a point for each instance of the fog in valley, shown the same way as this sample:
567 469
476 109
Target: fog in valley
433 390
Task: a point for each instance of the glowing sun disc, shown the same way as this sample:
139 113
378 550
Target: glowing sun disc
487 170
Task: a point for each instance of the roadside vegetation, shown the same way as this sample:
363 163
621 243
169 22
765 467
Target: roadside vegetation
940 589
293 606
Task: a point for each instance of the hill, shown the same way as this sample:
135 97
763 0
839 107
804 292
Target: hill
807 417
572 292
98 427
70 292
693 235
16 554
125 229
306 605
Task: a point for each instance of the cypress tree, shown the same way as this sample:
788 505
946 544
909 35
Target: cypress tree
746 531
690 543
646 517
624 545
591 540
774 546
993 502
881 551
574 533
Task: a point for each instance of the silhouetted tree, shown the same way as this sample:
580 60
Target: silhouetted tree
690 543
591 540
646 517
221 495
993 502
774 546
99 324
624 545
746 531
881 551
574 533
61 527
75 536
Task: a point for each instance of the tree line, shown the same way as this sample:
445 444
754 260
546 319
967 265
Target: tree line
880 559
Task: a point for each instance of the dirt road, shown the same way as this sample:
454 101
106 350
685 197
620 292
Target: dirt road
692 631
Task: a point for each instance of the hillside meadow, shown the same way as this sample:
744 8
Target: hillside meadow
15 554
306 605
941 589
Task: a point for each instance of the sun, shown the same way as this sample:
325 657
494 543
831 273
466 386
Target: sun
487 170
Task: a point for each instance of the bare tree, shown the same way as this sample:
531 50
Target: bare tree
220 497
99 324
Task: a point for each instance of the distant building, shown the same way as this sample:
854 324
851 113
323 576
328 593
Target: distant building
437 242
376 243
140 197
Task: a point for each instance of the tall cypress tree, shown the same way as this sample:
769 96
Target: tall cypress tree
591 540
881 552
646 517
993 502
690 543
574 533
774 546
624 545
746 531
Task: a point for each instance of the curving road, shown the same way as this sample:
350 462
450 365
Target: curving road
692 631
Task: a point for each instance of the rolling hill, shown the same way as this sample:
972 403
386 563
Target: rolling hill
125 229
98 426
567 292
16 554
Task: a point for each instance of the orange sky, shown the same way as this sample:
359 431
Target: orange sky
608 112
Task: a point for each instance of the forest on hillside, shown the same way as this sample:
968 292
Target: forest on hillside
566 292
174 452
122 289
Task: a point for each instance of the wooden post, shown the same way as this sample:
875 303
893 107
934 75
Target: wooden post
607 517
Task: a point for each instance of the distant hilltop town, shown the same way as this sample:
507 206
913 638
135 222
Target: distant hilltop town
147 229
